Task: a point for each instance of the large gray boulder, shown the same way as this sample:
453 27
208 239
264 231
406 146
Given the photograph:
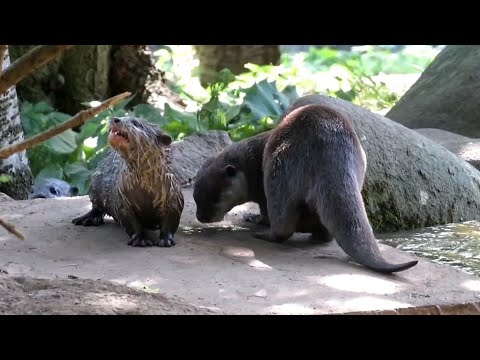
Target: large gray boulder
190 153
411 181
447 94
464 147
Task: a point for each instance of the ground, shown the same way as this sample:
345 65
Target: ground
216 269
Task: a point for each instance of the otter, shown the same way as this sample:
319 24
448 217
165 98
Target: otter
52 188
306 175
134 184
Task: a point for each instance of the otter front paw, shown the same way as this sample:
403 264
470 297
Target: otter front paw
92 218
138 241
165 240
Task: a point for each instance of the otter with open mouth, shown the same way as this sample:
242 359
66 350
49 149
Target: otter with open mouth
134 184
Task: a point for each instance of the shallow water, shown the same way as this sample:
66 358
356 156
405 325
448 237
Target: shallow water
457 245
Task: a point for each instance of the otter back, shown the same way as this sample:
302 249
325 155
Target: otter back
313 168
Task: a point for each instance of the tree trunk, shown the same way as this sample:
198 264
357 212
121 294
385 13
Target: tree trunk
79 75
214 58
133 69
96 72
447 94
11 131
86 71
41 85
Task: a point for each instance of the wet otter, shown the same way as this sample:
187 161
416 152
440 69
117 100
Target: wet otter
306 175
52 188
134 183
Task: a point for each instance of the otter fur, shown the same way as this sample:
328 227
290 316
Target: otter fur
134 184
311 169
52 188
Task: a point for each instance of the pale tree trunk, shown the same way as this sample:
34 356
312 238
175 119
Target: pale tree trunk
11 132
214 58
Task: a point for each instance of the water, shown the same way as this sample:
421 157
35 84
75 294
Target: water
457 245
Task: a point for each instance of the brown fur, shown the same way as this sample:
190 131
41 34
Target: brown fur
312 167
135 185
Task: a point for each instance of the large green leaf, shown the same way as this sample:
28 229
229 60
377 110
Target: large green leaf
264 100
51 171
149 112
78 175
63 144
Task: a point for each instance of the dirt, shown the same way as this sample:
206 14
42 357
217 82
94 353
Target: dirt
21 295
214 269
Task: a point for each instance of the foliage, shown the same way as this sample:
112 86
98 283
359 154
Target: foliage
242 105
72 156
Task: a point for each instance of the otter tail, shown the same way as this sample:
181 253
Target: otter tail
343 213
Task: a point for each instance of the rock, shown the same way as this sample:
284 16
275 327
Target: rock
447 94
190 153
464 147
4 197
411 181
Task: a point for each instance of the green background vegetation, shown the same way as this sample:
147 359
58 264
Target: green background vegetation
243 105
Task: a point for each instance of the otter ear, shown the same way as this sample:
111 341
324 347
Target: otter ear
164 139
73 190
230 170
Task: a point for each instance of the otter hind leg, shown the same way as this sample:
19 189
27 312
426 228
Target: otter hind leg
168 229
93 218
321 235
135 231
283 222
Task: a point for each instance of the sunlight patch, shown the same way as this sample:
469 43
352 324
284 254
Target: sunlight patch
358 283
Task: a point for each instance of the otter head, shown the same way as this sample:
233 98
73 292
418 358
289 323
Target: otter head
219 187
130 135
52 188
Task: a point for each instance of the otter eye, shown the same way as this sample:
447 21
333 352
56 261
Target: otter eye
52 190
135 123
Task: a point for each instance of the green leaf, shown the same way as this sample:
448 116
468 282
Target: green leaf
176 120
5 178
51 171
78 175
149 112
264 100
63 144
42 107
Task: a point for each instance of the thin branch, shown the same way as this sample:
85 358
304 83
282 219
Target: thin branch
3 50
75 121
11 229
28 63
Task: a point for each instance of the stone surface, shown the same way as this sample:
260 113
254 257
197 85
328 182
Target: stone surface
219 266
190 153
464 147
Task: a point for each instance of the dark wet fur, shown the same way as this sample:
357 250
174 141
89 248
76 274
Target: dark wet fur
123 187
313 173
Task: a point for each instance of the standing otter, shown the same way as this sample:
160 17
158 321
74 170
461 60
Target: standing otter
134 184
311 169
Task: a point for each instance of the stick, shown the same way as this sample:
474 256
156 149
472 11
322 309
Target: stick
3 50
11 229
28 63
75 121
